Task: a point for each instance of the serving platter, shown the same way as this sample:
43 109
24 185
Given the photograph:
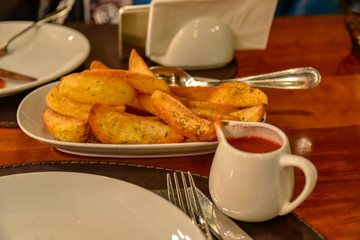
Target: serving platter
29 119
45 53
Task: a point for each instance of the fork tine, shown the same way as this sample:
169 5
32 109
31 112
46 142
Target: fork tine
187 199
170 189
197 206
180 200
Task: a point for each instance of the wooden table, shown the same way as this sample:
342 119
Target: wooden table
323 124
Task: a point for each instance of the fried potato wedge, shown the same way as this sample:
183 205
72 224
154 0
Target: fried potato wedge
92 139
98 65
149 84
121 108
112 126
136 106
212 115
192 93
146 103
192 104
252 114
238 94
137 64
179 117
67 107
88 87
64 128
143 83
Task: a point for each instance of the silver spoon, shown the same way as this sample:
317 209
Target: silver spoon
295 78
52 16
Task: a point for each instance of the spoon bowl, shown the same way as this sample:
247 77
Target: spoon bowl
295 78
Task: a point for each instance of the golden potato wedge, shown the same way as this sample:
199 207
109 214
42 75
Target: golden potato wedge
136 107
192 93
238 94
190 140
154 118
146 103
179 117
91 138
144 83
88 87
149 85
98 65
65 106
252 114
112 126
64 128
213 115
121 108
137 64
220 108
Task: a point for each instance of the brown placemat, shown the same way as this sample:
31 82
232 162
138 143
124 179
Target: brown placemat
286 227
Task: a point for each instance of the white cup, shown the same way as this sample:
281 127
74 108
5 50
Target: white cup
255 187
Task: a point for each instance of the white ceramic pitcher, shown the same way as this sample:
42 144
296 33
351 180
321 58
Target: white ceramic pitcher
255 187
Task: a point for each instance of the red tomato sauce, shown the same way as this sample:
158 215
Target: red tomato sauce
254 144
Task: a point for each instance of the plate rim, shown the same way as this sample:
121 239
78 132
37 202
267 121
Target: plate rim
25 86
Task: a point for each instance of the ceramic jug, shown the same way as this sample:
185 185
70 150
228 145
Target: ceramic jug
251 186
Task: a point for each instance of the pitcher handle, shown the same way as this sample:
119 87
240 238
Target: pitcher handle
310 172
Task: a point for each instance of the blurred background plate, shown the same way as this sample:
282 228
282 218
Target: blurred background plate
45 53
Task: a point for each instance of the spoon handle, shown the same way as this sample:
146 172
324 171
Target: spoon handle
295 78
52 16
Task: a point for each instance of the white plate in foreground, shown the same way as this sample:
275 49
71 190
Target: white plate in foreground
76 206
29 119
45 53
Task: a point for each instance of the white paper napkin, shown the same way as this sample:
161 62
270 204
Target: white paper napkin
250 20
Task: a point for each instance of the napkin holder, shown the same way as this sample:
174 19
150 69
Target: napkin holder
249 21
132 28
196 34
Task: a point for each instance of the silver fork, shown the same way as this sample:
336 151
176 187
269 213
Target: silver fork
178 200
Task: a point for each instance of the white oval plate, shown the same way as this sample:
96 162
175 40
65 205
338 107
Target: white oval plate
76 206
29 117
45 53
